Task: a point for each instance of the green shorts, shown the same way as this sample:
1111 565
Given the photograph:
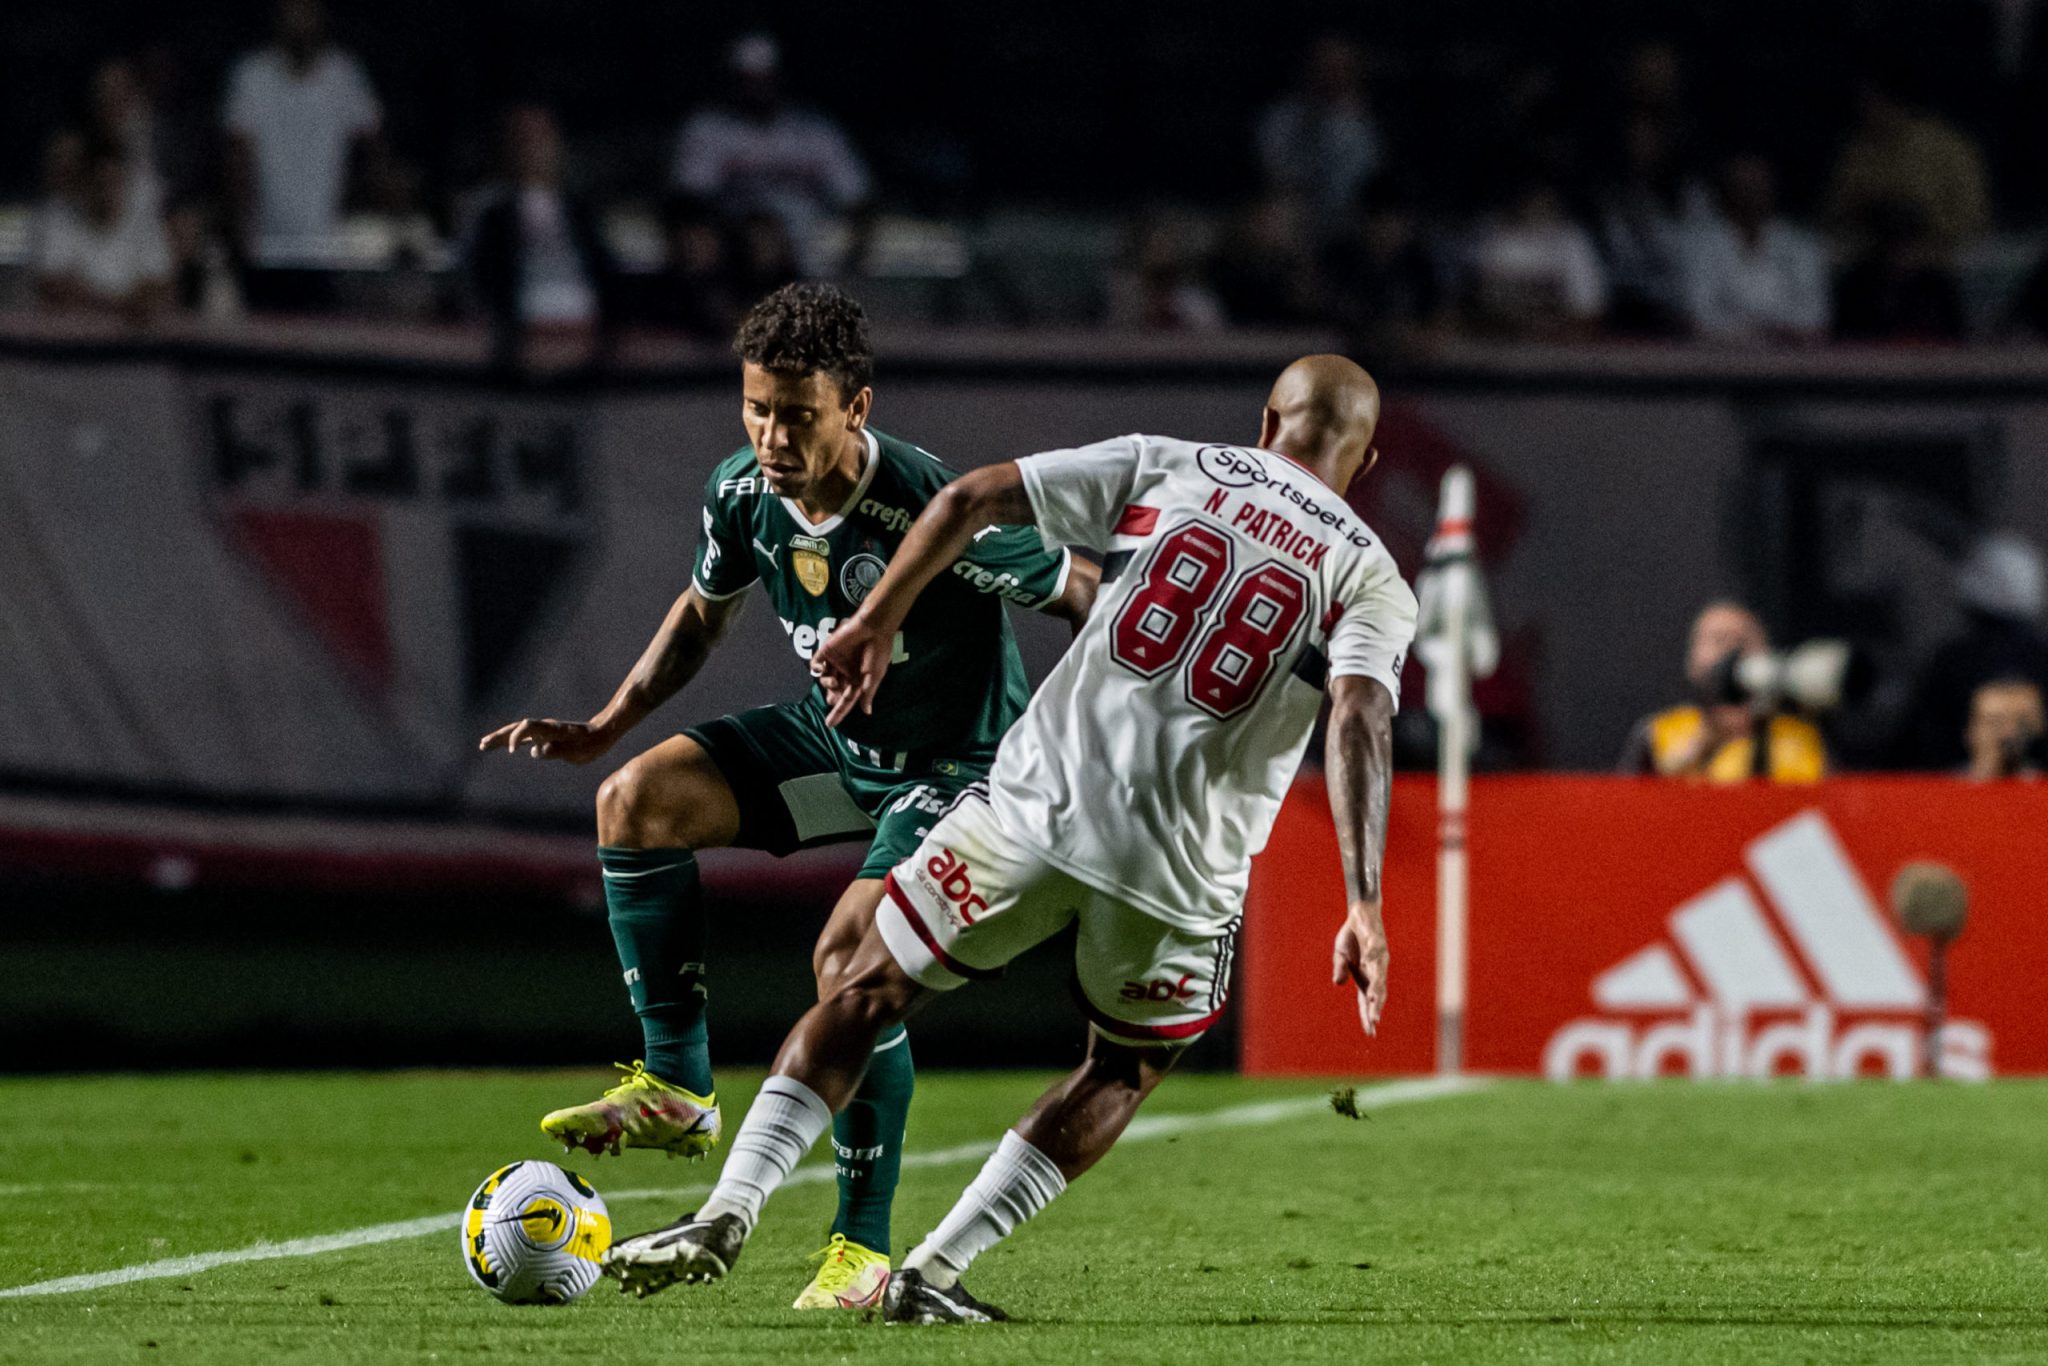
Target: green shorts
801 784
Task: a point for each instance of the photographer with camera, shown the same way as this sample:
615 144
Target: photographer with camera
2008 733
1733 730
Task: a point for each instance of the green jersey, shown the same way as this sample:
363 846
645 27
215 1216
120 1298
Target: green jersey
955 682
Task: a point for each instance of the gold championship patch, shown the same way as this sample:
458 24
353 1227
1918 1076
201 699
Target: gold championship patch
810 557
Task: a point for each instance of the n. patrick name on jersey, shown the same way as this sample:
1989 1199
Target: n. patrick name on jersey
1234 583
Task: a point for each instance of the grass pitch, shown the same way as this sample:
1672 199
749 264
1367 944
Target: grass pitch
1664 1222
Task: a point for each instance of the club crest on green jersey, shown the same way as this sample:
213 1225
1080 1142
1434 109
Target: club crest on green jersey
859 575
811 558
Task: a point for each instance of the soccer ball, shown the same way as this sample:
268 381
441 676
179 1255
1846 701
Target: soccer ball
533 1234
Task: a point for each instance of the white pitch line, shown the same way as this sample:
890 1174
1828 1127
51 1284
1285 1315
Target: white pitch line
1142 1129
255 1252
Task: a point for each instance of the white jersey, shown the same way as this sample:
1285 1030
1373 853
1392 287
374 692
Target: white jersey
1152 763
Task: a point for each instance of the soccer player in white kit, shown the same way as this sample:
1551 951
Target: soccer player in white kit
1238 589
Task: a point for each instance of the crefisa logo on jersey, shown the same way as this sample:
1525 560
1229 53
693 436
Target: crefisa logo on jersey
894 518
1855 1008
859 575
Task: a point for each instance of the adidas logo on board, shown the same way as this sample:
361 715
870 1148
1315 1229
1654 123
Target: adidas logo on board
1841 1000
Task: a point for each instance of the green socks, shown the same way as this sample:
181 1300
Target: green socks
652 899
867 1143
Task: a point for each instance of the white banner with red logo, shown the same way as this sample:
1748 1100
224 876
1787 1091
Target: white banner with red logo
1632 928
275 578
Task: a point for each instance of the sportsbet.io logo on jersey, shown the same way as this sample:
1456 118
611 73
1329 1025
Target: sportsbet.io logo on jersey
1236 469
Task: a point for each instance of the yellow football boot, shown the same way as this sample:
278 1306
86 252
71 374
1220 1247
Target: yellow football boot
852 1277
642 1111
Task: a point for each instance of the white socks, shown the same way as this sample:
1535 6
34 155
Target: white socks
1017 1182
785 1119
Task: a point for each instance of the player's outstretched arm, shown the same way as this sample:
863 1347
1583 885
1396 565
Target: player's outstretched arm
850 665
693 625
1358 765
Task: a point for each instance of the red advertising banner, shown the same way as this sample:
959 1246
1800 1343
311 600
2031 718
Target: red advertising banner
1629 927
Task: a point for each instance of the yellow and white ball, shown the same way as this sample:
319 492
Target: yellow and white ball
534 1234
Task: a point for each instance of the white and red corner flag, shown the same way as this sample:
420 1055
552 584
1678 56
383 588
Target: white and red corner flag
1456 642
1454 634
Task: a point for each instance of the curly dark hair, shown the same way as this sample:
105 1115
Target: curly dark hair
807 327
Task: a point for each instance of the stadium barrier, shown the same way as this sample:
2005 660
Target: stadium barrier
1632 928
265 584
304 564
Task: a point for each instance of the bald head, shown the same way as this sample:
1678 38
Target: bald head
1322 413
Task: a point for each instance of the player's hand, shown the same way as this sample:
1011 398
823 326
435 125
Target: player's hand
850 665
573 742
1360 954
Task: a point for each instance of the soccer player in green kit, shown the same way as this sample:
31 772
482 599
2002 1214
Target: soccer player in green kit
811 509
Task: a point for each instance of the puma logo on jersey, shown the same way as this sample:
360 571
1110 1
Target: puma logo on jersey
949 871
1158 989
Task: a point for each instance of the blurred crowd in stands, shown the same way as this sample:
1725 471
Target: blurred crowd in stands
1641 226
1561 213
297 186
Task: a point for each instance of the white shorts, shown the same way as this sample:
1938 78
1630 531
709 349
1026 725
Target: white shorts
970 899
